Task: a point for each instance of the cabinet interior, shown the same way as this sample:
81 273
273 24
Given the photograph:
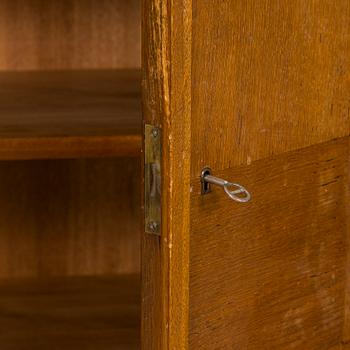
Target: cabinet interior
70 140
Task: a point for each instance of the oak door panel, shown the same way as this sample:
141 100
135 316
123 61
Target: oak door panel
267 77
271 274
270 110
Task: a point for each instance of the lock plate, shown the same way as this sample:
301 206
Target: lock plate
153 179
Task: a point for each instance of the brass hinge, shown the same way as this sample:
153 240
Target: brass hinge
153 179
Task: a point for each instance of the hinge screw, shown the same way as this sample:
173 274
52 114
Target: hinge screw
155 132
153 226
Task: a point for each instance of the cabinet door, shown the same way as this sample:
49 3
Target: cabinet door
270 110
259 91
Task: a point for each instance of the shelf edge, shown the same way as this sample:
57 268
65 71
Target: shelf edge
70 147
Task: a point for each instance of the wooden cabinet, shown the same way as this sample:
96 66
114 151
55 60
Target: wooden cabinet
70 188
256 90
259 92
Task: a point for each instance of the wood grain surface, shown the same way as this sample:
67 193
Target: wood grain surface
70 34
70 114
270 110
87 313
343 346
271 274
268 77
69 217
70 229
167 103
177 162
155 108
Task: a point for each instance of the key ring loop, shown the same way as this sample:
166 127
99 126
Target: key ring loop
233 193
238 193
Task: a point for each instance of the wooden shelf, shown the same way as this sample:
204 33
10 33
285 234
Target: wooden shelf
69 114
70 313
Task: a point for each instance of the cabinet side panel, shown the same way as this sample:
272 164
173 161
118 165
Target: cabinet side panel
155 105
167 103
346 337
178 131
